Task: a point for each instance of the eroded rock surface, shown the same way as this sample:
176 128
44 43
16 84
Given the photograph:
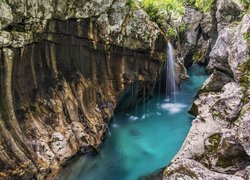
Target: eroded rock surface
217 146
64 66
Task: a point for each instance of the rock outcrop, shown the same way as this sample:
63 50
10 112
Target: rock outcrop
217 146
63 67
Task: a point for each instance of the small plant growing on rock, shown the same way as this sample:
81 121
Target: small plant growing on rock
204 5
172 33
247 38
246 3
132 4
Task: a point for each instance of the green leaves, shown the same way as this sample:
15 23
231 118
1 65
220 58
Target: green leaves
176 8
204 5
172 7
246 3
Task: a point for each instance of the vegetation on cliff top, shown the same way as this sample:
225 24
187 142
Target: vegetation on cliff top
174 7
166 11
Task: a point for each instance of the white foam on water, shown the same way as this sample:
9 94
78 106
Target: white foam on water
133 118
173 108
115 125
158 113
145 116
167 100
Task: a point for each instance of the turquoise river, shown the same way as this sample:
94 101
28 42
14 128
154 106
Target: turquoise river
143 139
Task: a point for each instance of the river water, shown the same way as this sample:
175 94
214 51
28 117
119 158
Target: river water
143 139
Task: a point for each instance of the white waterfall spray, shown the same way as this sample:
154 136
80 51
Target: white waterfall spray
170 74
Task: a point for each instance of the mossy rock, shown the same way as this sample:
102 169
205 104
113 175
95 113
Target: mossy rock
226 161
199 57
245 80
182 170
214 142
215 114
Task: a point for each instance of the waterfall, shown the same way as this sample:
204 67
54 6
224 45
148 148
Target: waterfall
109 132
170 74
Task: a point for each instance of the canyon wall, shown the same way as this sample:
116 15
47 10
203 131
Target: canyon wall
64 65
217 146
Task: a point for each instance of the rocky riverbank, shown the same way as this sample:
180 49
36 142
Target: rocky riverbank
64 66
217 146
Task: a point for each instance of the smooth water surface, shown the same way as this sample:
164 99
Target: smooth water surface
143 139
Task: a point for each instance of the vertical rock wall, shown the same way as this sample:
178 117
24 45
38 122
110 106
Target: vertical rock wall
217 146
63 68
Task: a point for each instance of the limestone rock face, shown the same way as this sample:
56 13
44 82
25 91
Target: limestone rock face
187 169
116 22
64 66
227 12
192 19
231 45
211 117
217 146
244 130
6 16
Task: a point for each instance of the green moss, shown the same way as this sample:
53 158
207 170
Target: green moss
186 171
225 162
246 3
198 56
247 38
215 113
214 141
182 170
245 79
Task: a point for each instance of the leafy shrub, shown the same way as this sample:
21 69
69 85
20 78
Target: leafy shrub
172 33
132 3
204 5
246 3
174 8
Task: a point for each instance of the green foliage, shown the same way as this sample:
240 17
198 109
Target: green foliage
132 4
245 79
174 8
151 9
162 11
247 38
204 5
214 141
182 28
172 33
246 3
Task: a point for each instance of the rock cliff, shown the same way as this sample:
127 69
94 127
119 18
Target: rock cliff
63 67
217 146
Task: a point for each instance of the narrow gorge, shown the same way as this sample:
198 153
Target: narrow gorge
87 92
